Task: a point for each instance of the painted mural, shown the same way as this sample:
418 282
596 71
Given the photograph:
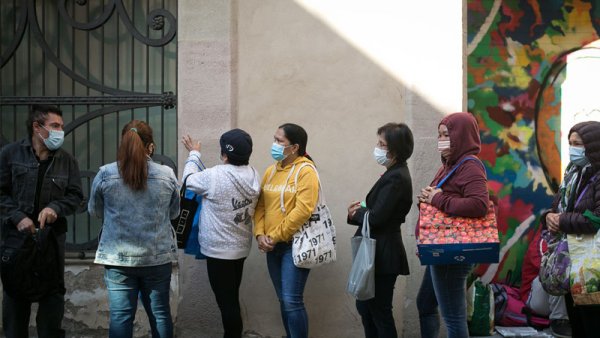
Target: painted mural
516 56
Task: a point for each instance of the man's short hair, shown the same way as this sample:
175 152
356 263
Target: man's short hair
39 113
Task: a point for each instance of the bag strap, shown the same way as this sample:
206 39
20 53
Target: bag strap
282 207
592 180
305 164
184 184
366 227
183 187
456 167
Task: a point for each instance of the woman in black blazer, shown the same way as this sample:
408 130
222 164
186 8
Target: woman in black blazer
388 203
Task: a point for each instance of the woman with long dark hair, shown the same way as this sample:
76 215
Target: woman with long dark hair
136 198
283 206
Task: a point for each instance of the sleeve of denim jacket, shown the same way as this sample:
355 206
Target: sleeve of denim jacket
8 206
71 200
96 202
175 199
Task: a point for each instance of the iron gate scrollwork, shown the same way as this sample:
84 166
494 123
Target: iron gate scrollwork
132 46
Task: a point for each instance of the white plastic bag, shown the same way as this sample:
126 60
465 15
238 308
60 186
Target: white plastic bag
361 282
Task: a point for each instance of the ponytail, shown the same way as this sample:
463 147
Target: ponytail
296 135
132 156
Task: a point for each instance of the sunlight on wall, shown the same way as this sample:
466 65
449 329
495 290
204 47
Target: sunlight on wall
580 99
397 37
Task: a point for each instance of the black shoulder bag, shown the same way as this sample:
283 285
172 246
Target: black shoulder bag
183 223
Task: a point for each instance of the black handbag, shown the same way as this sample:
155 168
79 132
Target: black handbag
183 223
29 264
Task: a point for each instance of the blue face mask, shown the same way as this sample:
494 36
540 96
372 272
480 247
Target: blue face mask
577 156
55 139
380 155
277 151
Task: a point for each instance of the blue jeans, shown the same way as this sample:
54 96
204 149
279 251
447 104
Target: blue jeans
289 282
446 286
125 284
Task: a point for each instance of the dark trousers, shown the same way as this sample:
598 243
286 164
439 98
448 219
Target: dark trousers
16 312
225 277
376 313
584 319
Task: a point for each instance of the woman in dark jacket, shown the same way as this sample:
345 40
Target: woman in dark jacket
388 203
465 194
579 191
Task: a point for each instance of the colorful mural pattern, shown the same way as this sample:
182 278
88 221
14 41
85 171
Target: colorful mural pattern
514 74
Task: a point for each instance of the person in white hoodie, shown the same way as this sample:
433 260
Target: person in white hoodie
230 192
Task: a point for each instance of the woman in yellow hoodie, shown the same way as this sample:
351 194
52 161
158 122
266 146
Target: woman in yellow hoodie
283 206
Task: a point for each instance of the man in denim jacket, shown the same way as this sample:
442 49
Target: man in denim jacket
39 185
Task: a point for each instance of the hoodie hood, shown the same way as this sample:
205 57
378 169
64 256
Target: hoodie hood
464 136
297 161
245 178
589 132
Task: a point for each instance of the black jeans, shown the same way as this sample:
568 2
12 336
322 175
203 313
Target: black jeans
225 277
16 312
376 313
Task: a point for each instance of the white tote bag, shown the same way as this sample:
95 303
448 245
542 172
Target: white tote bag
314 243
361 282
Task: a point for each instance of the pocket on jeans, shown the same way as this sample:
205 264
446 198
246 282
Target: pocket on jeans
114 275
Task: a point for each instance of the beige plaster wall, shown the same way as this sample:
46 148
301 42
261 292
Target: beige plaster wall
205 78
339 68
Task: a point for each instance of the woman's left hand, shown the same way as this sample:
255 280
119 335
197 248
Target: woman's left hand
191 144
352 208
427 194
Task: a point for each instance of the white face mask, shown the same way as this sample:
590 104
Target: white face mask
380 156
54 140
443 145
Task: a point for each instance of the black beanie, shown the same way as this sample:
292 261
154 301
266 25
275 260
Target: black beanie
237 145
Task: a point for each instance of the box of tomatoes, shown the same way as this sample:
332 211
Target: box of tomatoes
446 239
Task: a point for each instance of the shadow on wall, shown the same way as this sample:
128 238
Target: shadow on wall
291 67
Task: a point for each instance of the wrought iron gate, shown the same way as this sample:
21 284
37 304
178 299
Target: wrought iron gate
103 62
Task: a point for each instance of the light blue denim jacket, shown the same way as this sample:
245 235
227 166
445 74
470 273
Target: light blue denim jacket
136 229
